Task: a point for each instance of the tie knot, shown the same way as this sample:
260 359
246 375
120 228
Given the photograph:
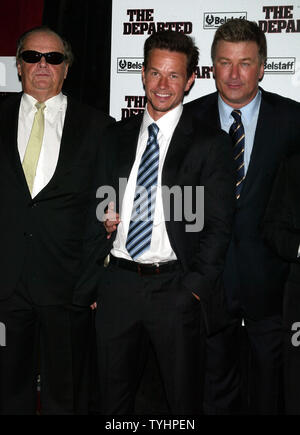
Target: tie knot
40 106
236 114
153 130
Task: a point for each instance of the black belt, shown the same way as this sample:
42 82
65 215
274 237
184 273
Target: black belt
145 269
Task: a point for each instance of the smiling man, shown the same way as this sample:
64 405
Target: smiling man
49 144
162 282
238 68
264 127
166 79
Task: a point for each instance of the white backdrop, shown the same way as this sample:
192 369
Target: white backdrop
134 20
9 81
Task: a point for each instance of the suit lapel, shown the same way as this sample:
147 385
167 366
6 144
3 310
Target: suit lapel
261 147
177 149
9 134
213 111
293 183
73 130
125 152
126 148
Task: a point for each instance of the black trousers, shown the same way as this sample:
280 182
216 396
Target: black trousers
134 310
54 341
260 368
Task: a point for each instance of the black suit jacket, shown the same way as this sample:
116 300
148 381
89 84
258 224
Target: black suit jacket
197 156
282 219
45 234
254 275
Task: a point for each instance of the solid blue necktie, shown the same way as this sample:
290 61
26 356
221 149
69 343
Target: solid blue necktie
141 221
237 134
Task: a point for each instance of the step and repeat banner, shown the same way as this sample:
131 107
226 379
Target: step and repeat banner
134 20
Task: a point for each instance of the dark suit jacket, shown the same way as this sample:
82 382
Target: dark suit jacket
254 275
197 156
282 219
46 233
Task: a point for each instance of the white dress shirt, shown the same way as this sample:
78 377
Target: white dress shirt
160 249
54 115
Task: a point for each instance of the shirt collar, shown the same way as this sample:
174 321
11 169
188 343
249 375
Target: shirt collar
166 123
53 104
248 111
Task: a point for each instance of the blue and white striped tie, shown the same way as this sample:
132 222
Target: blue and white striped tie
237 134
141 221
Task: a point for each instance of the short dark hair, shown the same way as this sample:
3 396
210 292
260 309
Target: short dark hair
173 41
69 58
240 30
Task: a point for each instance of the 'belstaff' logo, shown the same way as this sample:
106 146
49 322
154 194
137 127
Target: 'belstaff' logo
213 20
129 65
122 64
209 19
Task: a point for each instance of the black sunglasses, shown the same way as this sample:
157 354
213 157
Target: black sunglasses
31 56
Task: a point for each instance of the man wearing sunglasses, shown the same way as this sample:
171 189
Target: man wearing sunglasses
49 144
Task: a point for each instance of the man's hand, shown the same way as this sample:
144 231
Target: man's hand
111 219
93 306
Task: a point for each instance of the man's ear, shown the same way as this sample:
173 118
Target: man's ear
19 69
66 71
190 82
261 71
143 75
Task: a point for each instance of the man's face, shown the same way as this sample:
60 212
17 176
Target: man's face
165 81
41 79
237 71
